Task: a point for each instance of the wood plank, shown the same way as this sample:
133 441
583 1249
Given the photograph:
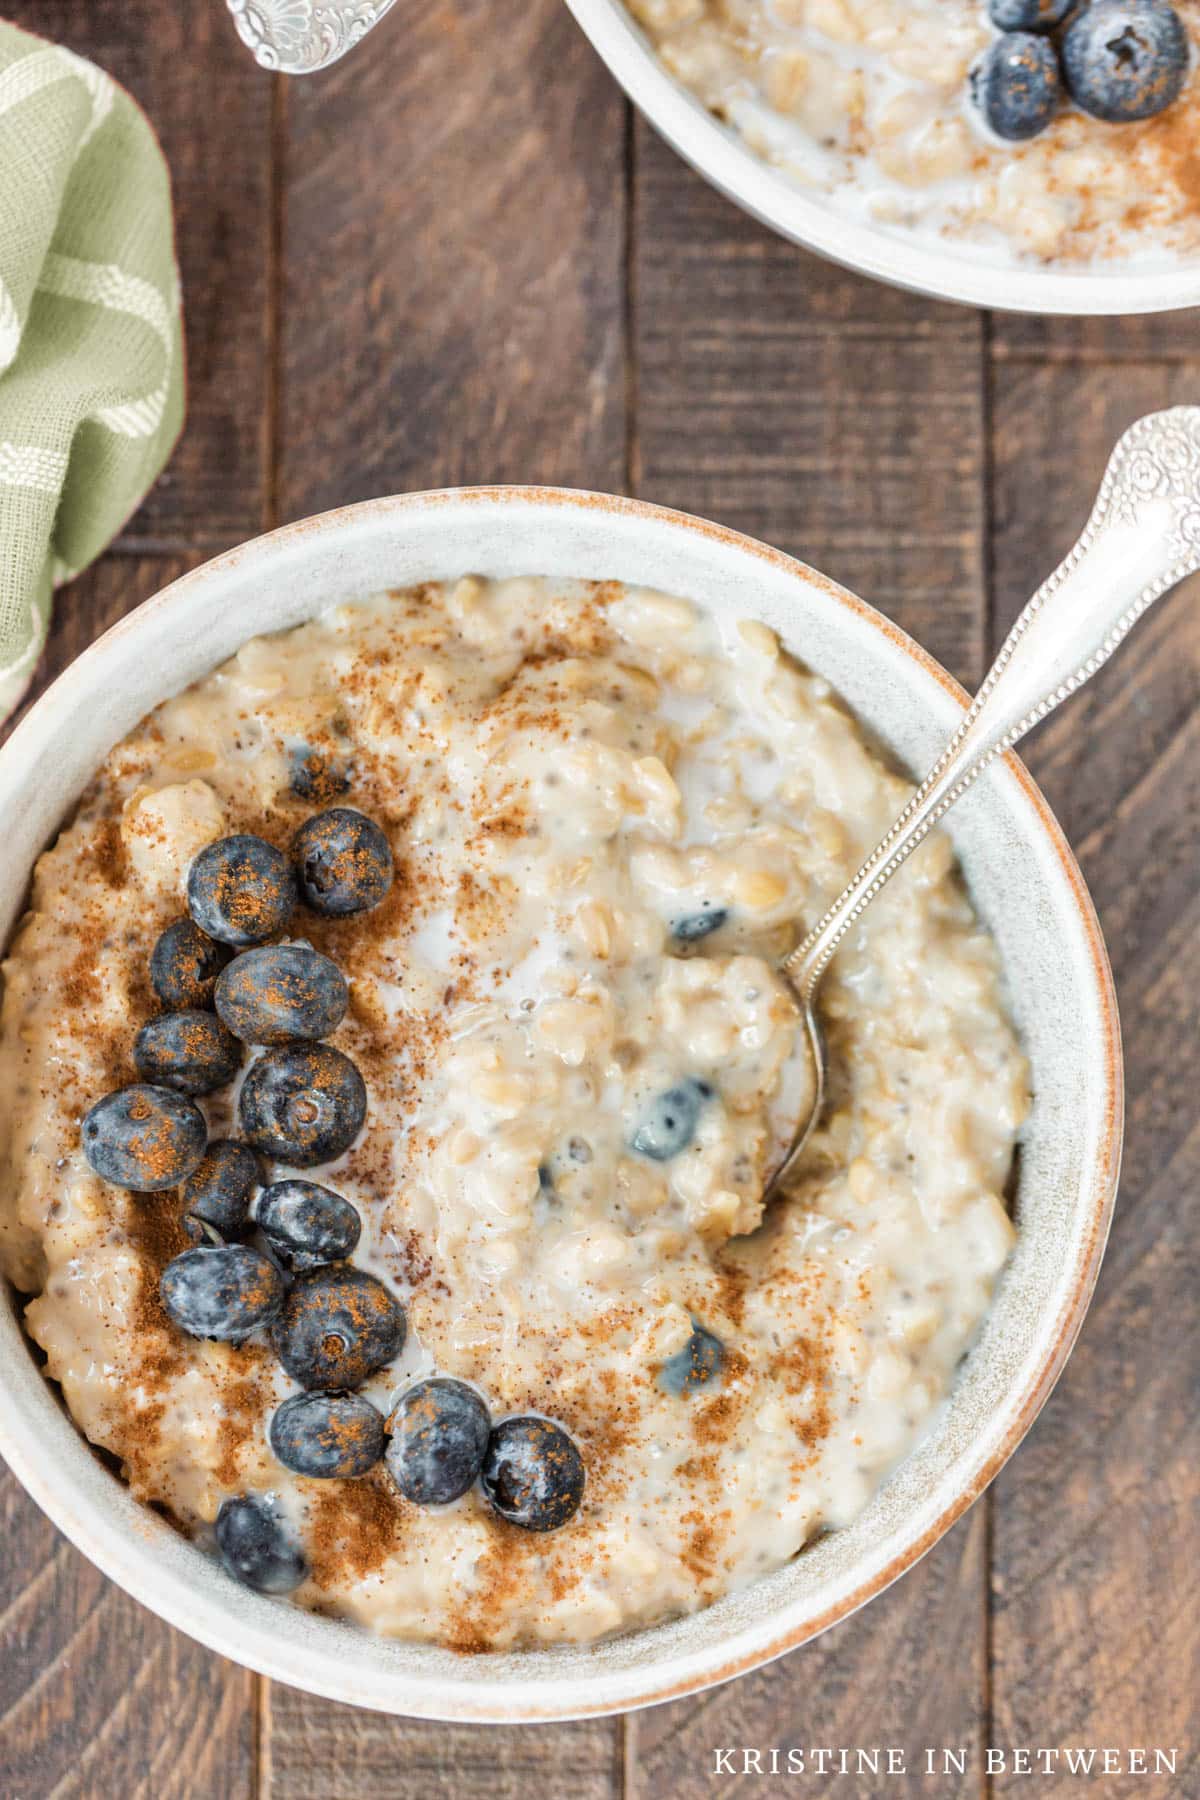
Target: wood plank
97 1697
314 1750
842 421
453 312
905 1673
454 244
1095 1637
835 418
1157 337
211 107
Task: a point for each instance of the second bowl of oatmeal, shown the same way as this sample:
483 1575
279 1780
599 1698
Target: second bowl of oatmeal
852 127
602 796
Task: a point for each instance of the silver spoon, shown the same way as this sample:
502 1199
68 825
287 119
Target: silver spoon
298 37
1142 539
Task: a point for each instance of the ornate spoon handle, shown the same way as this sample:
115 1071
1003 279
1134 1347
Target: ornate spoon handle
1142 538
298 37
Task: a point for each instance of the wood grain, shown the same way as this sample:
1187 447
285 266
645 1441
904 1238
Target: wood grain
905 1673
318 1751
837 419
844 422
1159 338
1095 1633
211 108
97 1697
454 260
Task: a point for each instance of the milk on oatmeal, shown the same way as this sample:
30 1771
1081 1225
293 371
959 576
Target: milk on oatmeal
609 815
867 104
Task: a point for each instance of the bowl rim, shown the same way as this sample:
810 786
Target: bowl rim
723 159
113 1548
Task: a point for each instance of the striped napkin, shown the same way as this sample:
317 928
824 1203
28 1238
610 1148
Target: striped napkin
91 342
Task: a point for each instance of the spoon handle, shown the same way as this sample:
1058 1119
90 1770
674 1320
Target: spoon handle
1142 538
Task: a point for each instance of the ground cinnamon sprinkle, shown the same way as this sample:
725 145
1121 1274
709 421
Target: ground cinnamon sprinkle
80 983
135 1435
515 1564
154 1223
414 1260
732 1281
804 1366
699 1553
244 1410
91 958
1173 139
109 853
353 1527
716 1420
483 908
510 819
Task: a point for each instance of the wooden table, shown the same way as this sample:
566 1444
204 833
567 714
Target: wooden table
457 257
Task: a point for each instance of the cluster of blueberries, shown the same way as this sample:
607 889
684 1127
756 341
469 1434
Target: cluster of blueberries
1119 60
302 1102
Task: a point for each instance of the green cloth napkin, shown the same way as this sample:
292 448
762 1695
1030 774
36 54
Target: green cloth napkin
91 343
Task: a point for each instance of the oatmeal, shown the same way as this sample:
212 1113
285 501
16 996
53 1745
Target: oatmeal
590 820
884 108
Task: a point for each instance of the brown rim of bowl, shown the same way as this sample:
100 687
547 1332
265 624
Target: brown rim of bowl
1103 1198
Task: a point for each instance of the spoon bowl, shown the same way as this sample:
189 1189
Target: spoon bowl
1141 540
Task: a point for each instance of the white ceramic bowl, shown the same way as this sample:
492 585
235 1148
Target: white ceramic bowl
928 266
1025 884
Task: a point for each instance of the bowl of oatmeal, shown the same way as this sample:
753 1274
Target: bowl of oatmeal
1012 154
392 1043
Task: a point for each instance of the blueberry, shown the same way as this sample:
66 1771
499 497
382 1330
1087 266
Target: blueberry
698 1363
280 993
303 1104
314 774
1028 15
439 1435
337 1327
694 926
222 1291
668 1124
145 1138
533 1474
1017 85
184 964
306 1225
189 1051
241 890
327 1435
217 1193
255 1546
344 862
1125 59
